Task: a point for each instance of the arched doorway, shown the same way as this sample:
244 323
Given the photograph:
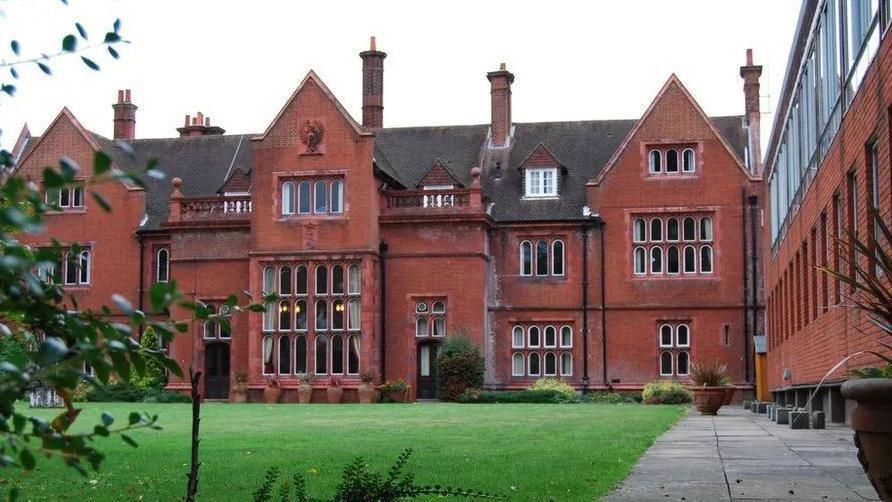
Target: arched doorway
427 370
216 370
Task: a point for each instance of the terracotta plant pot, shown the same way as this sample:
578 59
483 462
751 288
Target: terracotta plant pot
708 400
872 421
304 393
366 393
271 395
334 395
239 393
397 396
729 395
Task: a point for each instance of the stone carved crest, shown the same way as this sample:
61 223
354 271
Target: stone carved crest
311 134
310 235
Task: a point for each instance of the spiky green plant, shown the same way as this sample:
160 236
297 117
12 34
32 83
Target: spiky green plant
712 373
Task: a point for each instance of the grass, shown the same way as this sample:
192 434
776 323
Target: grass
525 451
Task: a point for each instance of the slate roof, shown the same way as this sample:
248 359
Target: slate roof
411 151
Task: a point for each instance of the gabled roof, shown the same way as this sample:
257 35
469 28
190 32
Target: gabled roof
409 152
439 174
541 156
672 81
65 114
239 180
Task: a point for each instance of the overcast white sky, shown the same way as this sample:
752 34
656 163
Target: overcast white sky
238 61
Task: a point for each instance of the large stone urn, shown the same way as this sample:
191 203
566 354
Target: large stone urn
872 421
708 400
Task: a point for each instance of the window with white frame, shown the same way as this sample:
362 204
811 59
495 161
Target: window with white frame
671 160
162 265
312 196
69 197
542 350
213 328
430 317
312 328
76 269
541 182
674 340
542 257
672 246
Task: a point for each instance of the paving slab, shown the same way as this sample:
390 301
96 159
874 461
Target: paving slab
741 456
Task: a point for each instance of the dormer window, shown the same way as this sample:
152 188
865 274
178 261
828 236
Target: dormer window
541 182
672 160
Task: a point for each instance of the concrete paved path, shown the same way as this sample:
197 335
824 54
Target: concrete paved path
739 455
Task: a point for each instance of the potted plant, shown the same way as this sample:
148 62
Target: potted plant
366 390
272 392
871 388
239 393
729 391
334 391
709 388
304 389
395 391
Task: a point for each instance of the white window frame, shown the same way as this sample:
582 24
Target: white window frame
688 329
643 270
529 337
650 226
693 168
677 162
564 371
288 191
331 197
545 343
84 269
166 265
537 189
677 229
273 352
635 223
684 257
671 336
650 161
514 369
671 362
678 260
711 259
523 337
529 366
561 335
563 258
544 367
532 258
677 356
662 261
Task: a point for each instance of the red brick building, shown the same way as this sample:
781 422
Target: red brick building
609 253
827 162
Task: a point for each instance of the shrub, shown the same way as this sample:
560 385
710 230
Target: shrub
120 392
155 376
476 396
613 397
712 373
14 348
555 384
460 366
666 393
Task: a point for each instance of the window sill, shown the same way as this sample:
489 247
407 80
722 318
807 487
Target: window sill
312 217
540 197
79 210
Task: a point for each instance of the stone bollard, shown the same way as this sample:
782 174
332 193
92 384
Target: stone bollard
799 419
754 406
747 405
818 420
763 407
782 415
771 409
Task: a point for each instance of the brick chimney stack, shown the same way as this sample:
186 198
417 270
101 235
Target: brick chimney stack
199 125
125 117
751 74
372 86
500 94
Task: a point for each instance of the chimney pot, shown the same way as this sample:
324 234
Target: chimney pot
373 86
750 74
124 117
500 104
503 67
121 96
127 95
186 123
372 44
207 121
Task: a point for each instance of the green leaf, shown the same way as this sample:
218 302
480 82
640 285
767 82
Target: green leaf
107 419
101 201
44 68
172 366
122 303
101 430
113 52
134 418
231 301
81 30
101 163
15 47
117 25
112 37
69 43
27 459
129 440
53 349
14 73
90 64
8 89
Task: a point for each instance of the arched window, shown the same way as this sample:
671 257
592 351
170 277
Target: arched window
682 336
288 198
706 260
534 335
672 229
269 316
557 258
655 162
687 161
162 272
690 260
300 351
268 362
672 160
337 315
421 327
285 281
665 335
656 230
284 315
305 200
439 326
566 364
517 337
337 196
550 364
84 268
300 276
337 355
566 337
526 258
353 314
666 364
210 325
269 280
337 280
640 261
656 260
353 351
320 190
689 230
517 364
639 230
321 355
321 315
683 363
284 355
321 280
438 308
300 313
673 261
706 229
550 336
541 258
534 364
353 280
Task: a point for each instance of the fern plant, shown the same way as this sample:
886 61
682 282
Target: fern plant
360 484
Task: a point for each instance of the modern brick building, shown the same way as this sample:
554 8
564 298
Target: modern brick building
610 253
828 163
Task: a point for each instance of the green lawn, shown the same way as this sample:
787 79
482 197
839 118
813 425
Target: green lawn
525 451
